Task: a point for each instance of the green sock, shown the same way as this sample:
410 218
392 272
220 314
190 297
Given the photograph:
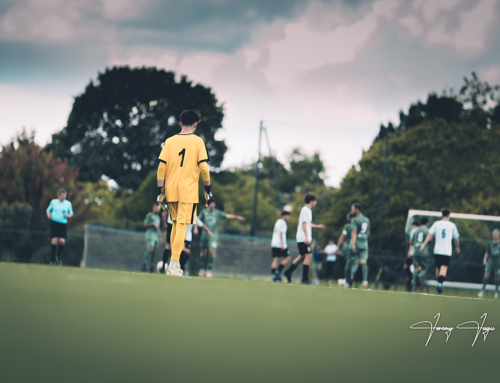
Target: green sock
497 282
152 260
210 263
364 270
203 262
354 269
485 281
414 281
347 272
145 258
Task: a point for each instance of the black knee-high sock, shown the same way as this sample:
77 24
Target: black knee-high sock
441 279
280 268
305 272
166 256
183 259
291 269
342 267
60 249
273 270
53 253
165 259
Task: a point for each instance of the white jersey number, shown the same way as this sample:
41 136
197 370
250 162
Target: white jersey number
420 237
364 226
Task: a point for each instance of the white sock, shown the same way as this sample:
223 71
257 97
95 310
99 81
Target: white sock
173 264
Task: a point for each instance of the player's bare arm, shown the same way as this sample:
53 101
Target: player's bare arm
341 240
353 239
320 226
457 245
238 217
207 230
283 241
427 240
307 241
485 258
410 250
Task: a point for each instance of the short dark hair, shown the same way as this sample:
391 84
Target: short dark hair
357 206
189 117
350 216
61 191
310 198
415 223
424 221
445 212
284 212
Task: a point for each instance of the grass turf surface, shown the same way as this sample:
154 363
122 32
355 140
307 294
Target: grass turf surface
73 325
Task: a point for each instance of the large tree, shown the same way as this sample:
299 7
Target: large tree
118 124
435 164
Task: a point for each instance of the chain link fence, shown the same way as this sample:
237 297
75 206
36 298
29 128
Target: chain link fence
237 257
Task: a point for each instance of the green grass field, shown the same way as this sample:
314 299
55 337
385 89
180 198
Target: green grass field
74 325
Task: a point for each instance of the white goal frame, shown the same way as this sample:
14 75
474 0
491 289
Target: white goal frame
476 217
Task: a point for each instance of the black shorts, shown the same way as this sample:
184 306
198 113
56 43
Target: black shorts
58 230
169 231
278 253
304 249
187 244
441 260
409 261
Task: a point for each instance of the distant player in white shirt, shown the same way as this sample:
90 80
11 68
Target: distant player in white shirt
279 247
304 238
445 233
331 250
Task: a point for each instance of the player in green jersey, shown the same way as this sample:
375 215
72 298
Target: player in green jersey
345 241
419 257
359 243
153 238
492 262
212 218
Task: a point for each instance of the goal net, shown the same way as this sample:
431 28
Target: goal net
237 257
466 269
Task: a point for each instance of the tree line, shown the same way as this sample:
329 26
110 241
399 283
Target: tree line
444 152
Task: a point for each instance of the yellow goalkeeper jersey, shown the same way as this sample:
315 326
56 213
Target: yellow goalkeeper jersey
183 154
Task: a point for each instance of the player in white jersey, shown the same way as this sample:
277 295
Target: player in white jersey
304 239
279 247
445 233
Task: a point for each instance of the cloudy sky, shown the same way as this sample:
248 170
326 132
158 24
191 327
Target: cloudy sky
322 75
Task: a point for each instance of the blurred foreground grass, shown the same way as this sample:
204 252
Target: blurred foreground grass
83 325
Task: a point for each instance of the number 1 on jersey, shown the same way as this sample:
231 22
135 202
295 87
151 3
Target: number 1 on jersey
182 153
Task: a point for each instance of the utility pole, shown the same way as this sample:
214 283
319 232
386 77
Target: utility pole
275 175
381 224
255 197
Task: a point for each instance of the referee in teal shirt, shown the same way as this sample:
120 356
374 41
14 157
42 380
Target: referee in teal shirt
59 210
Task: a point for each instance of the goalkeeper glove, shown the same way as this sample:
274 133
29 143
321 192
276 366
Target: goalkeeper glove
161 200
208 195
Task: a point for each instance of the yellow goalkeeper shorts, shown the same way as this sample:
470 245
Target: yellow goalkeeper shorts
182 212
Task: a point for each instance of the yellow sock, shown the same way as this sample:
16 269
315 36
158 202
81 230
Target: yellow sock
172 234
178 240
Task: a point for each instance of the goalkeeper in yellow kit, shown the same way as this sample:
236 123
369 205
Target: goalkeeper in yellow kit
182 158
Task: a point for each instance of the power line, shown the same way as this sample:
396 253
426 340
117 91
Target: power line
319 126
